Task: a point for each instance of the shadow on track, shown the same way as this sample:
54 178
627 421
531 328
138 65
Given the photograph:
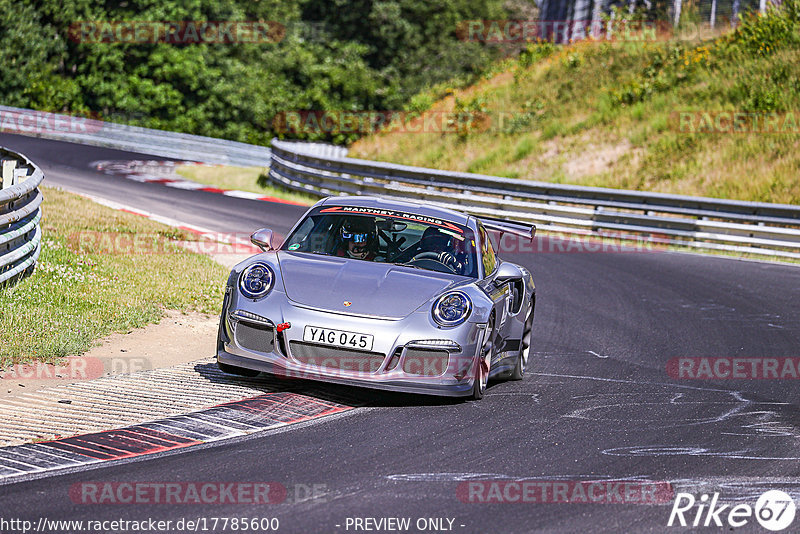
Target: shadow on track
348 395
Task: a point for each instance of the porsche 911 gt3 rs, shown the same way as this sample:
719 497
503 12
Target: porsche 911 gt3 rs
384 294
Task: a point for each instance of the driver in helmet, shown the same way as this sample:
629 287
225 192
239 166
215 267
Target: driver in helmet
359 239
444 245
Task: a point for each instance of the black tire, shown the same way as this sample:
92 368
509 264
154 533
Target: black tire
525 344
482 371
238 371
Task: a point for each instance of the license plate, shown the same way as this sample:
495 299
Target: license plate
338 338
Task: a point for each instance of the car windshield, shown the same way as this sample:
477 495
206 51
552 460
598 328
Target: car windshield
387 236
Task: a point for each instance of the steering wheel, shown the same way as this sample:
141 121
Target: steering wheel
425 257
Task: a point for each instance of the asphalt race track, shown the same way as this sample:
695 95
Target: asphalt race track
598 403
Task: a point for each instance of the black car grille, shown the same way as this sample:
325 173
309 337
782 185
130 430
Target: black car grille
254 337
423 362
336 359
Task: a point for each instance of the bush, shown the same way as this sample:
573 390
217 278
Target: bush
764 34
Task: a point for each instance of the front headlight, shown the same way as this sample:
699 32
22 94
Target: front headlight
256 280
452 309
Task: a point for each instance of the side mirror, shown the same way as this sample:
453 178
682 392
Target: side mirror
263 239
507 272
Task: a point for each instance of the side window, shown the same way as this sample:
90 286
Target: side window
301 234
487 252
313 235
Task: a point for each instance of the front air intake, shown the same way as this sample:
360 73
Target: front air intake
424 362
255 337
336 359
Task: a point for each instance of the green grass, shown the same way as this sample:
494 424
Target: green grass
616 102
251 179
89 282
524 148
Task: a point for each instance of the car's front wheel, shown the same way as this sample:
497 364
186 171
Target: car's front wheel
484 363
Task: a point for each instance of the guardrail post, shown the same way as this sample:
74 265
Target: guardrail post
20 175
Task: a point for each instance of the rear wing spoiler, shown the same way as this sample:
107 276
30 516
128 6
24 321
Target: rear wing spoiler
521 229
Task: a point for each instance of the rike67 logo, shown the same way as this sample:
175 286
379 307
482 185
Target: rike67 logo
774 510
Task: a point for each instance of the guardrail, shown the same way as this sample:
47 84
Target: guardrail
706 223
20 201
321 150
132 138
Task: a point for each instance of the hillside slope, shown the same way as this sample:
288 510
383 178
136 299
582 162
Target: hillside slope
633 115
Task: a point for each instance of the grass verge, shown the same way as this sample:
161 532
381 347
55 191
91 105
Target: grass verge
249 179
100 271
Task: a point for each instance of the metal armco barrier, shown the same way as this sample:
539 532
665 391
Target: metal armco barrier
706 223
20 199
131 138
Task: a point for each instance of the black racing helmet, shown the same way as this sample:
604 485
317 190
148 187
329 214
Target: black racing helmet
362 231
435 240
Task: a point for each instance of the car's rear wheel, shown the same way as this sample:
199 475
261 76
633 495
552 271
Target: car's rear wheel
525 346
484 364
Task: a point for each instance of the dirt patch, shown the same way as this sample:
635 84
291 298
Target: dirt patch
595 159
551 150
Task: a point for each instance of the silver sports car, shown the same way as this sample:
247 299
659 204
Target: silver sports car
382 294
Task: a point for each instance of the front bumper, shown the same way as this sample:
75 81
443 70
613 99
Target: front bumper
411 355
456 388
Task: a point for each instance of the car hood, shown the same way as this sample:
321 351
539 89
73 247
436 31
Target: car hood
372 289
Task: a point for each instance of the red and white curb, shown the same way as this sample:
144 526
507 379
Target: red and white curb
163 172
